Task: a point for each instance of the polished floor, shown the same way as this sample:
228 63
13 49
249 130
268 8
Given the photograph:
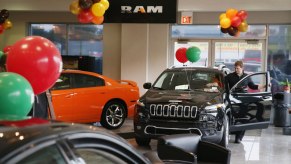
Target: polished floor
266 146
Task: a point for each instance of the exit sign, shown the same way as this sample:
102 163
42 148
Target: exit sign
186 18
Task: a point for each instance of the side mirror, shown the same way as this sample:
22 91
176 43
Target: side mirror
147 85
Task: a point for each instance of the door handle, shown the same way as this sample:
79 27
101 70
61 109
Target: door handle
69 95
266 97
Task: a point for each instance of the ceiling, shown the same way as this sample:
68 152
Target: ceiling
183 5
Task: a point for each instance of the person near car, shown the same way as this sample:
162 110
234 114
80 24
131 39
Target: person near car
230 80
3 63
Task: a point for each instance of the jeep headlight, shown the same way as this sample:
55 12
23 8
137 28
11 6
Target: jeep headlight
140 111
212 109
140 103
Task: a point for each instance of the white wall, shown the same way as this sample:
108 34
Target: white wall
144 52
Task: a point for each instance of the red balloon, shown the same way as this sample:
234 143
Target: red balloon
85 16
242 14
181 55
38 60
6 49
235 21
1 29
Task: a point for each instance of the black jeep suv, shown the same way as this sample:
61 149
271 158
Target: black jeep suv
193 100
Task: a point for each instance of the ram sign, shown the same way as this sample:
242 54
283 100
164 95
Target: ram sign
141 11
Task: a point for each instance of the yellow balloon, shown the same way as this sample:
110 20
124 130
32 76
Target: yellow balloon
105 3
98 9
75 8
221 16
7 24
225 22
243 27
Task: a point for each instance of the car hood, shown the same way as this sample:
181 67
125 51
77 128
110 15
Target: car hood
197 98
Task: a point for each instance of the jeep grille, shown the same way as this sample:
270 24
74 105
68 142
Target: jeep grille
173 111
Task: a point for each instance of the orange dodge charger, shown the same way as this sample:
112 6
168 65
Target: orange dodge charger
87 97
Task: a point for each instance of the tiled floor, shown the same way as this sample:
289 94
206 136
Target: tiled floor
267 146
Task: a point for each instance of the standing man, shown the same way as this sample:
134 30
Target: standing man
230 80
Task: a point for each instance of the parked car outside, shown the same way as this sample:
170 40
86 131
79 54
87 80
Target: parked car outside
40 141
87 97
189 100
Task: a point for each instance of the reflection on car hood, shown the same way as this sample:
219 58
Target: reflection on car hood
186 97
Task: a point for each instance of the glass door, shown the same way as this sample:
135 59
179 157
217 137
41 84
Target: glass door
251 52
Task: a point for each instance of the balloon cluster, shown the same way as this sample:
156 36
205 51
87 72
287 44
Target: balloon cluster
233 22
33 66
89 11
5 23
191 54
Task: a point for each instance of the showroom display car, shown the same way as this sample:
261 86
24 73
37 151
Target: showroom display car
35 140
40 141
193 100
87 97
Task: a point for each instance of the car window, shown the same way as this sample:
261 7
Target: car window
84 81
245 86
63 82
187 80
97 156
47 155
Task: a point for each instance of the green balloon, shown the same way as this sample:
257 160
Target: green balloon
193 54
16 95
13 117
1 54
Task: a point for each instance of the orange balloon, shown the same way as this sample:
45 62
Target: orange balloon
243 27
7 24
221 16
225 22
230 13
98 20
237 34
75 8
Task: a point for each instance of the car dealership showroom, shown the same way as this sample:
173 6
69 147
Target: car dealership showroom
145 81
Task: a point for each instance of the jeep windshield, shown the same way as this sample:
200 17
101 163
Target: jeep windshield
189 80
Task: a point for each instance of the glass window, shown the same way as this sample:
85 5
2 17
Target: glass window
213 31
85 40
279 54
73 42
48 155
248 84
98 156
84 81
54 32
185 80
63 82
228 53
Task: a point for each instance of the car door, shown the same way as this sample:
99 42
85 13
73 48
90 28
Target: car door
89 97
255 103
63 98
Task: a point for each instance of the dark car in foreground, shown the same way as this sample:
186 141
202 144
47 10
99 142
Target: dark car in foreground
35 141
193 100
39 141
